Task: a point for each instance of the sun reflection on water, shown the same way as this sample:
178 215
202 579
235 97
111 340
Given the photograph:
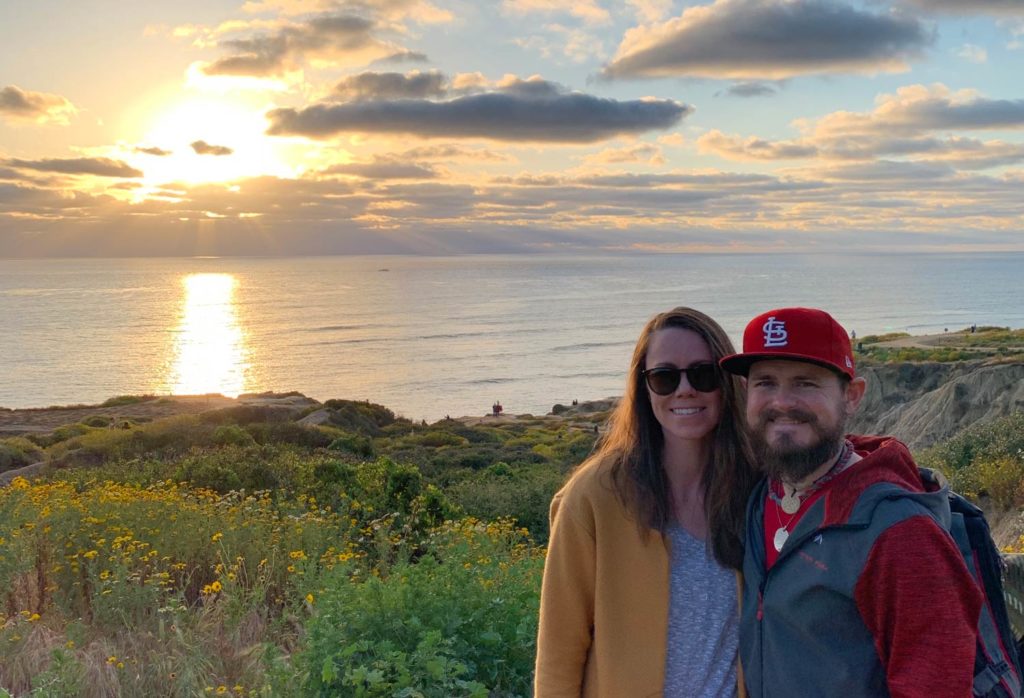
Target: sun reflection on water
211 355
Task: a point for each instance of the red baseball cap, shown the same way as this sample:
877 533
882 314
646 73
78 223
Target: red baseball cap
799 334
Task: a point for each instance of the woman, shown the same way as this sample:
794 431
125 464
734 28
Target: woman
639 593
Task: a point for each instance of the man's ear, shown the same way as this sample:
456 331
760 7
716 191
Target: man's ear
854 394
743 382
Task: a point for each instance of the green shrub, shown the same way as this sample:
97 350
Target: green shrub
18 452
69 431
247 467
126 400
461 621
1002 479
289 433
523 494
232 435
361 417
170 435
875 338
98 420
985 458
353 443
987 440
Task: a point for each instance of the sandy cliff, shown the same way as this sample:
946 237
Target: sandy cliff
924 403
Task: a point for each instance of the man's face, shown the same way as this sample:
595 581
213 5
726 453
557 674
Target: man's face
797 414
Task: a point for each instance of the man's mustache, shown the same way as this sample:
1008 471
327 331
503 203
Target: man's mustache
796 414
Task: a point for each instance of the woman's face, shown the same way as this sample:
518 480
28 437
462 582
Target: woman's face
685 413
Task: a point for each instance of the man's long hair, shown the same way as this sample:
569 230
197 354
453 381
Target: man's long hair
634 443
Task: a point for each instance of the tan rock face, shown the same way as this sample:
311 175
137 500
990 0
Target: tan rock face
922 404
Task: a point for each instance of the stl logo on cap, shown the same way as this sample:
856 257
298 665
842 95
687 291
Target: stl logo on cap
775 334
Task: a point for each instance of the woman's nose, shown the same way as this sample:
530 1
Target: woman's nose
684 387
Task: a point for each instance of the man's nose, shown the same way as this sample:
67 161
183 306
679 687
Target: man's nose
783 398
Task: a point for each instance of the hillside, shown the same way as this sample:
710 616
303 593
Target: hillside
924 403
924 389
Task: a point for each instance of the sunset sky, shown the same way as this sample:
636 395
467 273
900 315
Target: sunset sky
444 126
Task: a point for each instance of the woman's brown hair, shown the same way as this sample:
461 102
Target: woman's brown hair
634 443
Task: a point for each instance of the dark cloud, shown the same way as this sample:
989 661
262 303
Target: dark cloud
159 152
100 167
960 153
384 169
941 112
24 104
204 148
973 7
272 54
414 85
769 40
524 111
404 57
891 171
748 89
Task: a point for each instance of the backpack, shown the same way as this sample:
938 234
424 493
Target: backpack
997 669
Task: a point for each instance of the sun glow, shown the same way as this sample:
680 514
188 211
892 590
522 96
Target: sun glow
211 355
235 144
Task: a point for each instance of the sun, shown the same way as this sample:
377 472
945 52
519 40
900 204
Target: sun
232 129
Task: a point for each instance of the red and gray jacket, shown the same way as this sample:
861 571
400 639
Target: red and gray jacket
869 596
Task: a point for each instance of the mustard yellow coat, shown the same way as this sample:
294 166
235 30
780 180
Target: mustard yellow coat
605 597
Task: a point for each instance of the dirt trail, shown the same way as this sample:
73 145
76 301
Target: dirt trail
932 341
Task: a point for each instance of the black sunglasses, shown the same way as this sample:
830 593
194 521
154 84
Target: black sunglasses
663 380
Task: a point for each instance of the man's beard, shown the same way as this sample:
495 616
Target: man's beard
788 461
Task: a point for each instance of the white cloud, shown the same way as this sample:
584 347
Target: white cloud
972 53
587 10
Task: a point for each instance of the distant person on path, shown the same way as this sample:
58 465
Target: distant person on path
852 585
640 588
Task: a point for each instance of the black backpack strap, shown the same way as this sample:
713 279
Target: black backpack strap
997 665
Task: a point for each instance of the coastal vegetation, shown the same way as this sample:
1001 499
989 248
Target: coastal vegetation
984 460
236 552
998 343
327 550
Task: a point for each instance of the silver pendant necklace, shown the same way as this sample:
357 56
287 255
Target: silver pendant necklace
792 499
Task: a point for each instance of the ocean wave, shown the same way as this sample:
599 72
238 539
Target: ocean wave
341 328
592 345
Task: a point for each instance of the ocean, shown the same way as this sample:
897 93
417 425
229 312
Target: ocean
435 336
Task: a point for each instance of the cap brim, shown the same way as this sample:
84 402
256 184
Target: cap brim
740 364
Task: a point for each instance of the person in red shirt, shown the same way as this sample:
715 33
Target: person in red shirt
852 583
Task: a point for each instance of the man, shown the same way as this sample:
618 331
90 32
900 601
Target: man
852 585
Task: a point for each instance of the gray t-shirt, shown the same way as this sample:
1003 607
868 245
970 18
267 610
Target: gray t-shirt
703 631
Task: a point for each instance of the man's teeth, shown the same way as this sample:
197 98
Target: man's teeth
687 410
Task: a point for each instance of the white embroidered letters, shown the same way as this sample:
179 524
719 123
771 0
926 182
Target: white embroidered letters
775 334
